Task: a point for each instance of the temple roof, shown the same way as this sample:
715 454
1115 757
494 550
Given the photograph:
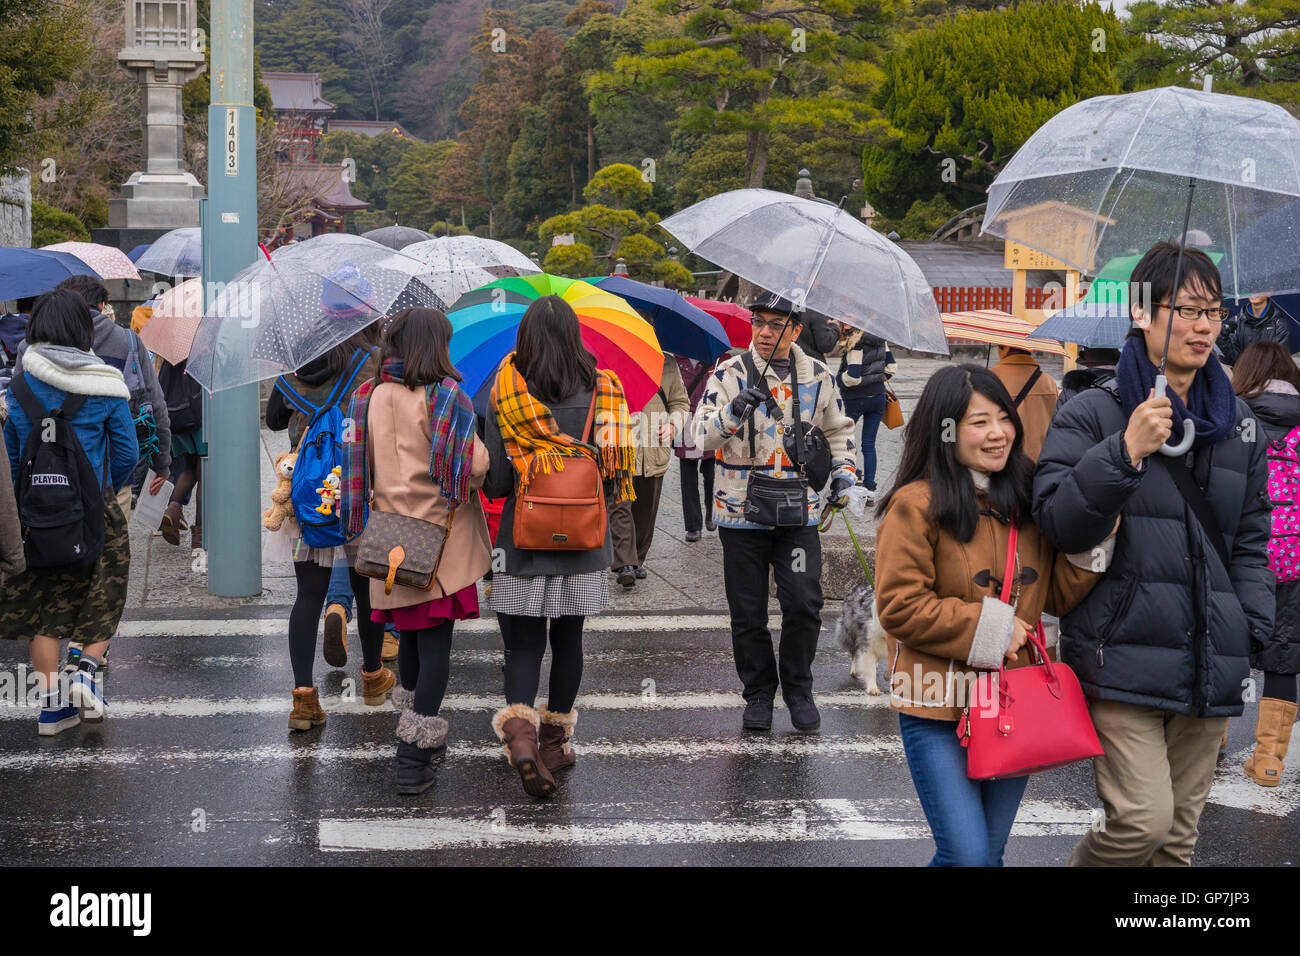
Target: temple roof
296 92
373 128
331 188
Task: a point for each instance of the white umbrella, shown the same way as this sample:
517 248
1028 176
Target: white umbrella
819 257
454 265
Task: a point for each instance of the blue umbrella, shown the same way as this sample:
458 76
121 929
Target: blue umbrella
28 272
1095 325
682 328
135 254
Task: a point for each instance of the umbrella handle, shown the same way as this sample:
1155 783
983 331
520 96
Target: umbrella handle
1189 427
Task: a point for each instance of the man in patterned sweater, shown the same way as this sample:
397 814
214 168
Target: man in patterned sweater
736 420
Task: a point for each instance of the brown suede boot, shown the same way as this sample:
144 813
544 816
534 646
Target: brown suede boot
553 739
307 712
516 726
376 685
1272 737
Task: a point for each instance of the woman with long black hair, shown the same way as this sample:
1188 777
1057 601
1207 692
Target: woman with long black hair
941 554
544 393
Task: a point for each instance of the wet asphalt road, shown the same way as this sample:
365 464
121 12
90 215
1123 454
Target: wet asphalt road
195 766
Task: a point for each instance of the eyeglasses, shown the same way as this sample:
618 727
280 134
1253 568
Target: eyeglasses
759 324
1190 313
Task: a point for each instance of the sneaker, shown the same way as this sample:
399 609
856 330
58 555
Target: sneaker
55 720
692 536
627 576
336 636
804 716
640 572
709 523
84 693
391 644
758 714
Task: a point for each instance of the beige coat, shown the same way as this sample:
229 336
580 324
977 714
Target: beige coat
1037 407
397 439
652 459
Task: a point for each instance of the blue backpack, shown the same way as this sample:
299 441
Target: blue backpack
317 474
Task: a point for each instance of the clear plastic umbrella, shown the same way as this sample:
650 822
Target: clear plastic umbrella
175 253
818 256
286 309
454 265
1110 177
395 237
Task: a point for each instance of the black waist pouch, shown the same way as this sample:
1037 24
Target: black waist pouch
777 502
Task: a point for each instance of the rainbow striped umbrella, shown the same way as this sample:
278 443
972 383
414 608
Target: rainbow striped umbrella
485 322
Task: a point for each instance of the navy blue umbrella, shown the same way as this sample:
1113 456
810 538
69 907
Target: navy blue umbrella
681 328
28 272
1094 325
135 254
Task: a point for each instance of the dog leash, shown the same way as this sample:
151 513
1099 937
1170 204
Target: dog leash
827 520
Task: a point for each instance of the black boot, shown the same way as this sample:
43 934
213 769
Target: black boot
419 740
804 715
758 714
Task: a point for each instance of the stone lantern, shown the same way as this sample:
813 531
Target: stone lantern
164 49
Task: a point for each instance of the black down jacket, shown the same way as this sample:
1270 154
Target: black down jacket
1166 627
1278 414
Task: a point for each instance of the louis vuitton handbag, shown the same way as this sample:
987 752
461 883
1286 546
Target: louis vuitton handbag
398 549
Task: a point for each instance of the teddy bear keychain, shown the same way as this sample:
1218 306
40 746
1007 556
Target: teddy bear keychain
281 507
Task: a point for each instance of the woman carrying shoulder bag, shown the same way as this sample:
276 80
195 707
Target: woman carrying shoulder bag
942 554
537 427
416 450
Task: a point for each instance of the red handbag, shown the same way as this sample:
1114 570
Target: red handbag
1028 719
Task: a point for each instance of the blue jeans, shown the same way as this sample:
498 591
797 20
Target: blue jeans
870 411
340 592
970 819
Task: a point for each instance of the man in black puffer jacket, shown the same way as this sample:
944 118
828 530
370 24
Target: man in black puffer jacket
1260 320
1162 644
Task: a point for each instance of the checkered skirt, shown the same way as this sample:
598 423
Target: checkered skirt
550 596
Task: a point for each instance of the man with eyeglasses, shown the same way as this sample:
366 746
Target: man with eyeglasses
1162 644
1260 320
745 422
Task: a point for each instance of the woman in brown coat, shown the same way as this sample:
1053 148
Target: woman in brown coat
941 554
416 452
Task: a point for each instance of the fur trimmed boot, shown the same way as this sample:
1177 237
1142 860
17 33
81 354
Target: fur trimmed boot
553 739
376 685
307 712
516 726
402 698
419 740
1272 737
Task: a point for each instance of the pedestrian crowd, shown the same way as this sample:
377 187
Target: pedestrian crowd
1014 501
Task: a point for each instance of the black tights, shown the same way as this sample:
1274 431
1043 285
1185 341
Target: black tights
424 660
525 640
1279 686
313 582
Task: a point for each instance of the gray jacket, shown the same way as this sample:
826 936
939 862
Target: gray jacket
113 346
502 481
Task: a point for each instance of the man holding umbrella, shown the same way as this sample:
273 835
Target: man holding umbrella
747 421
1162 644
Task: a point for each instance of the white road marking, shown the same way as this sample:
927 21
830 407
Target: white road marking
1232 788
686 750
243 706
279 626
753 821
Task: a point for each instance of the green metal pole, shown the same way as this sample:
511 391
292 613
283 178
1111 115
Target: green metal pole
231 478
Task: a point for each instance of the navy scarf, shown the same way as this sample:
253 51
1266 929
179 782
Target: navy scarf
1211 403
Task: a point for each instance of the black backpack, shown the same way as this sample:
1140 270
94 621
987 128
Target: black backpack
60 502
184 398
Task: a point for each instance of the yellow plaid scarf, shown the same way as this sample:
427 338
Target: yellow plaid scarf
530 432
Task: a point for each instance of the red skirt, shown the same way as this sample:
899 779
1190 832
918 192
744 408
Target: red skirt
417 617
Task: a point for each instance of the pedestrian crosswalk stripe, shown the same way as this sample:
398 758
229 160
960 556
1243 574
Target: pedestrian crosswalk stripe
241 706
279 626
622 824
685 749
1232 788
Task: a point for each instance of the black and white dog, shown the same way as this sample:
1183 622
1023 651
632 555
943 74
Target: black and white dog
861 635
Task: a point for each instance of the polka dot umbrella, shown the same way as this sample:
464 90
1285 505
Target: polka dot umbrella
485 323
109 262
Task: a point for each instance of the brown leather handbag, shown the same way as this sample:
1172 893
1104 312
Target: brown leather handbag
398 549
563 510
